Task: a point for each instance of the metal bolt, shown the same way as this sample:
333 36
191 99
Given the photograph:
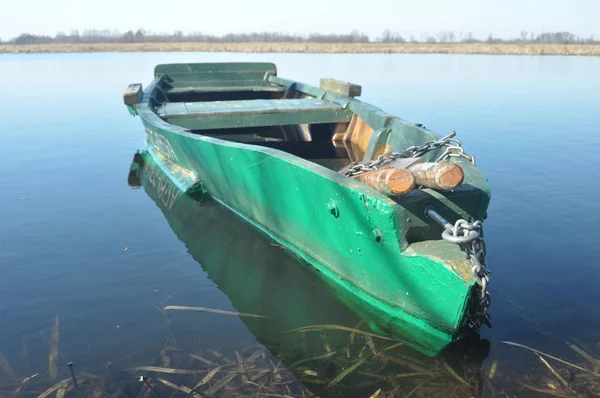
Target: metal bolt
333 208
377 234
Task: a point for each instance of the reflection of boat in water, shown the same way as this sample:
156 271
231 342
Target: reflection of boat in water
259 277
256 274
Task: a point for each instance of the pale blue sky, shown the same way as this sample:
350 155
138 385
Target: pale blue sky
504 18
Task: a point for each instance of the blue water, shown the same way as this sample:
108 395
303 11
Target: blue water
77 242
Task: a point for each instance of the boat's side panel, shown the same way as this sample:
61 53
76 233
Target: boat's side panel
350 233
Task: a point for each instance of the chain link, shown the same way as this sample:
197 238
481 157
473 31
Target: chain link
469 236
453 149
382 160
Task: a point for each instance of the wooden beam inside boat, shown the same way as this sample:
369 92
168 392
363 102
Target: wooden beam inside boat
252 113
254 78
240 68
215 89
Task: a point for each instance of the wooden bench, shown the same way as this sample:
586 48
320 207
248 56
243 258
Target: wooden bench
252 113
221 89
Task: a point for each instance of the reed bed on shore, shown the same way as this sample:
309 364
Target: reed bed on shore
351 48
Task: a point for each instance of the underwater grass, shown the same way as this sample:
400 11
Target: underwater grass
207 378
54 388
22 385
24 353
158 369
211 310
551 357
345 373
5 369
183 389
345 361
584 383
320 328
53 355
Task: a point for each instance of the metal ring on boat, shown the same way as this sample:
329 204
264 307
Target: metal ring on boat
459 240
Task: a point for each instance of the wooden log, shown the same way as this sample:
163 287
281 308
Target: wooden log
133 94
438 175
389 181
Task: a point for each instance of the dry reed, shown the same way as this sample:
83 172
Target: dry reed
352 48
365 365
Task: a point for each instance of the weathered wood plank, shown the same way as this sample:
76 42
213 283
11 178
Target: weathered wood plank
252 113
244 107
256 77
133 94
359 133
301 87
237 67
215 89
346 89
221 83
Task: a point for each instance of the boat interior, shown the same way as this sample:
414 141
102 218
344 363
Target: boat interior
248 103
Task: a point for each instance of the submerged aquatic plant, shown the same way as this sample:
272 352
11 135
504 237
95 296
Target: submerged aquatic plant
363 364
366 363
564 378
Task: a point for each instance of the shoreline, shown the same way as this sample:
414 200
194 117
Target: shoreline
315 48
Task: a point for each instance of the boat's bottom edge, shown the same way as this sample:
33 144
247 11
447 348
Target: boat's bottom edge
387 320
383 318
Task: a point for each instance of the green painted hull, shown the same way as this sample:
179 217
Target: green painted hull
381 256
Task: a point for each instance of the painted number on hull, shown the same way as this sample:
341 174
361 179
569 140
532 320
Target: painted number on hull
161 145
167 193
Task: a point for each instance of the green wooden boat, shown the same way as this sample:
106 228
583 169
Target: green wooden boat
384 211
259 277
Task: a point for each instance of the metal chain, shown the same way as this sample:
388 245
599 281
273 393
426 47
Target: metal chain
448 141
453 149
382 160
469 236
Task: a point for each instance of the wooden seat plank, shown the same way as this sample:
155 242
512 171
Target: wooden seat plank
252 113
220 89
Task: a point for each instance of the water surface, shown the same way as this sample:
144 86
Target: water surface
78 242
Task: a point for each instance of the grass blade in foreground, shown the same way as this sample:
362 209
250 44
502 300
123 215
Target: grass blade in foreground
211 310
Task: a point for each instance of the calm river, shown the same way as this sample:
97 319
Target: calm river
89 253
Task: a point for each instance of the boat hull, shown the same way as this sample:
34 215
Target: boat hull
383 256
349 234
